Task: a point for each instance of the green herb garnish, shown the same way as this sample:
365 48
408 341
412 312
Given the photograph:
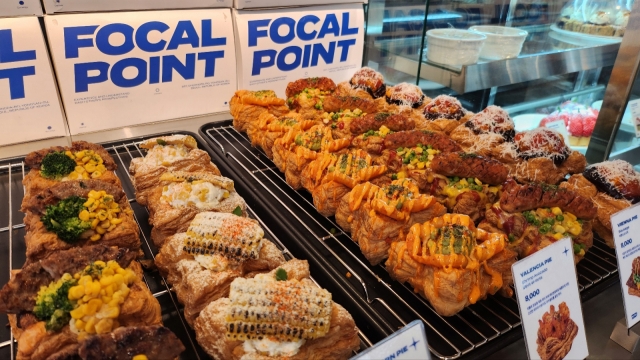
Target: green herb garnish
281 274
161 142
56 165
237 211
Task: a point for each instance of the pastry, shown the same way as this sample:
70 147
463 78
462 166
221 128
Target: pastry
79 213
377 216
331 177
451 263
246 106
294 151
289 317
173 206
536 215
167 153
202 262
270 128
444 113
612 186
50 166
56 302
544 157
306 96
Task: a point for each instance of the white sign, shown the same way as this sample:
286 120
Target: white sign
122 69
20 7
276 47
634 105
408 343
625 225
549 302
29 104
560 127
247 4
61 6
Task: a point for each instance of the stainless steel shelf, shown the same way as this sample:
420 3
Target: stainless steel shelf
540 58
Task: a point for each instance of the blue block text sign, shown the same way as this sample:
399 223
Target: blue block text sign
285 30
14 75
151 70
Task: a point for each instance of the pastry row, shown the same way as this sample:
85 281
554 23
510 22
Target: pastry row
385 158
240 295
81 293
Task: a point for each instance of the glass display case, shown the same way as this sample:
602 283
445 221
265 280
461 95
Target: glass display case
558 71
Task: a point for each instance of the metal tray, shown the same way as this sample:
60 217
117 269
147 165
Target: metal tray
12 248
477 331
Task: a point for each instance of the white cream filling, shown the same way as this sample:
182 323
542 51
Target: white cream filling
202 195
165 155
212 262
273 348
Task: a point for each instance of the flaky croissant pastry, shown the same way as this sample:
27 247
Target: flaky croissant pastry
329 332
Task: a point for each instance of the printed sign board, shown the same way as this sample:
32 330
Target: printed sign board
129 68
29 104
276 47
20 8
549 302
625 225
408 343
248 4
65 6
634 106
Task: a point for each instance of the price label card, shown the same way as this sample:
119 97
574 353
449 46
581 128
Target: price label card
634 107
549 302
626 233
408 343
560 127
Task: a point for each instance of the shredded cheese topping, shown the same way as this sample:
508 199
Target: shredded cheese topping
405 93
541 142
616 171
493 119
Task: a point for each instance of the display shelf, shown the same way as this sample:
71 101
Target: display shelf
542 56
477 330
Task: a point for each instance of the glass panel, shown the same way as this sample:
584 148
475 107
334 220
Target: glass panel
567 53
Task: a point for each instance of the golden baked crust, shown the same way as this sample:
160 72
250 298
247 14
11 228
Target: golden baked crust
168 220
246 107
34 183
544 170
146 176
339 343
35 343
40 242
197 286
605 205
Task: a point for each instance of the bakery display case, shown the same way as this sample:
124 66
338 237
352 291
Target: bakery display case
561 68
316 225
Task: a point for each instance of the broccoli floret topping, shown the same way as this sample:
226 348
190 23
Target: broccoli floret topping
63 219
53 304
56 165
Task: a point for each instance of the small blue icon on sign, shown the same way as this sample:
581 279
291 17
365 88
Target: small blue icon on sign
634 315
565 251
225 103
48 127
81 123
21 2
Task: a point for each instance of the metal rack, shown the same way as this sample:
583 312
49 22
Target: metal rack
12 249
392 303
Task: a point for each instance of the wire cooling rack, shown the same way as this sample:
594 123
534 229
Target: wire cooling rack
12 248
390 302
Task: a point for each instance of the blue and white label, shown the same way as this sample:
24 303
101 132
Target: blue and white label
408 343
142 67
279 46
29 104
545 283
625 225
